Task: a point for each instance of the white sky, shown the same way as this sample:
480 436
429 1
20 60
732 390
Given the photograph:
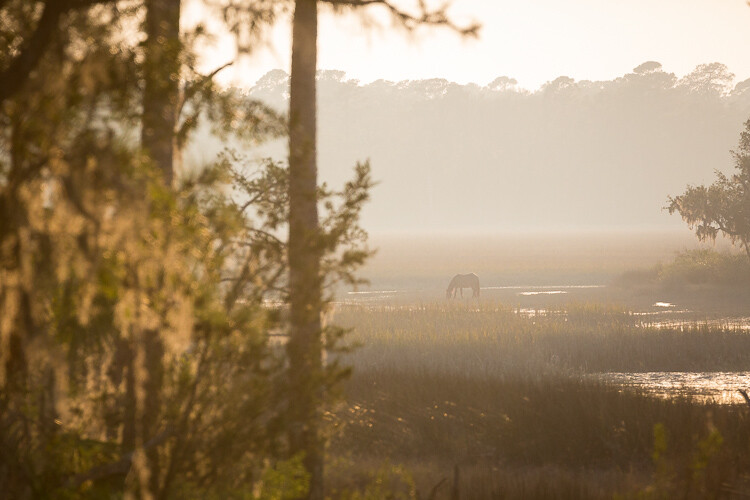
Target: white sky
533 41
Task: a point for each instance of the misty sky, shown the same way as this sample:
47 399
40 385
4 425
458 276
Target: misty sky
564 155
533 41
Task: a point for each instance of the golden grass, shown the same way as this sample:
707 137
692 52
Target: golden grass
506 397
484 339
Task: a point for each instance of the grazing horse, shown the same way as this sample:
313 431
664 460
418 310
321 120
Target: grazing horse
461 281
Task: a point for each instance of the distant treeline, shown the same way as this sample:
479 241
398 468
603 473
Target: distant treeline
572 153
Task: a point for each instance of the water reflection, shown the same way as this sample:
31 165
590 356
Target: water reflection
540 301
718 387
714 324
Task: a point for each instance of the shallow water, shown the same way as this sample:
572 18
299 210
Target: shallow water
742 323
491 291
536 300
718 387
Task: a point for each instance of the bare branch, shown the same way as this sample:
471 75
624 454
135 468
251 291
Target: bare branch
409 21
182 426
119 468
194 87
744 395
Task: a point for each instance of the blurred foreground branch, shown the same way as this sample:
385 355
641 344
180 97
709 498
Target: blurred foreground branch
17 73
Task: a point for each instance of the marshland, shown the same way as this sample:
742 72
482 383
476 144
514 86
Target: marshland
614 381
374 249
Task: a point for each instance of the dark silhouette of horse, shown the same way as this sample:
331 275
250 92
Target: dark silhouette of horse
461 281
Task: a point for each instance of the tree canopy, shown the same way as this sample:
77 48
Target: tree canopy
545 156
724 206
137 299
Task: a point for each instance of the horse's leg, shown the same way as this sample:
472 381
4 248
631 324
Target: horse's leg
462 292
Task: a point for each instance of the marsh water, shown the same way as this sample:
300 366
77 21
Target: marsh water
719 387
647 311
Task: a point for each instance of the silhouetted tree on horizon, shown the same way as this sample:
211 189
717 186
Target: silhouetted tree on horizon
724 206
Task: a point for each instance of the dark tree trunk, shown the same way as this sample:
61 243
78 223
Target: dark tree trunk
305 347
27 58
32 50
161 91
15 300
160 101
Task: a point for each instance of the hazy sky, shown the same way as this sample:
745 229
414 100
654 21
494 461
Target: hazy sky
533 41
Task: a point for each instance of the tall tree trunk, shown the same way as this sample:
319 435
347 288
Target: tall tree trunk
27 58
305 347
161 91
17 324
160 100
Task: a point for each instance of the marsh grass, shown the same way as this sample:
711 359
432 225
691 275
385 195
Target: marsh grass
506 396
486 339
556 437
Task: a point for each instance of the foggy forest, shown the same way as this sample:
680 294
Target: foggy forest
500 158
234 264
